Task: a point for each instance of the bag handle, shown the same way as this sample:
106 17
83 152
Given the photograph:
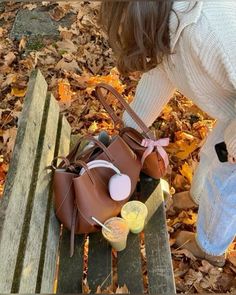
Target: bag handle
85 166
72 154
64 163
125 105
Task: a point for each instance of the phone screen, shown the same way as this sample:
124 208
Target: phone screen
221 151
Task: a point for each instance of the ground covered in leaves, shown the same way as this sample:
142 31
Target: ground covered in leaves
73 64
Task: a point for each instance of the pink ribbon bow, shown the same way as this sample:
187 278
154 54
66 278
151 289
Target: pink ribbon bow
158 144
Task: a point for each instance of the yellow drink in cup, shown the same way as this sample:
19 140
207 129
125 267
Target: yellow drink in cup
119 232
135 213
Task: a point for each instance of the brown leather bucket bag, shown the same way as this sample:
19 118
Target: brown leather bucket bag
148 149
79 197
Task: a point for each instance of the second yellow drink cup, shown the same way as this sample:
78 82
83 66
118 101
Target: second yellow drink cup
135 213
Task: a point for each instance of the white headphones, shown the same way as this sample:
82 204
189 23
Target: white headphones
119 184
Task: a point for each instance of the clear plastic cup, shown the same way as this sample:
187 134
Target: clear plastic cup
119 232
135 213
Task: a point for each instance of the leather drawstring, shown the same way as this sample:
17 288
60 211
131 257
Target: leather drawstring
72 233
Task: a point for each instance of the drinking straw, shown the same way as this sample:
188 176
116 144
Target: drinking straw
102 225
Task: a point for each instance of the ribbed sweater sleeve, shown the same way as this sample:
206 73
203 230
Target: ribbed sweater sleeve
219 59
153 91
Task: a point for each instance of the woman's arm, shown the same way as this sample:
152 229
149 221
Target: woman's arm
153 91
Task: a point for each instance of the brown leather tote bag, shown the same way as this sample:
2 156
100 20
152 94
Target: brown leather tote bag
149 150
77 198
92 198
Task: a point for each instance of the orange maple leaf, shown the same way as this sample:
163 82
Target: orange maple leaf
64 91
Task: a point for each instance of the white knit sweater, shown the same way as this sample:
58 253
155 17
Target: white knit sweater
202 66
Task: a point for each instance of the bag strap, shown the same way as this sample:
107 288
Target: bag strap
125 105
72 154
74 218
64 163
72 232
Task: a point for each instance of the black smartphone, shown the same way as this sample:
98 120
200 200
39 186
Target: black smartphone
221 151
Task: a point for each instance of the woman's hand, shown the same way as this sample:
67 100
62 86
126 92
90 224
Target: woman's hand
231 159
230 141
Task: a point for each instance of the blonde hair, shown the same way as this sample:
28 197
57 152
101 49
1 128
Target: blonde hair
138 32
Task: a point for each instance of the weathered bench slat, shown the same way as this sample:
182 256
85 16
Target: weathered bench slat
99 262
129 266
70 268
40 198
150 192
18 185
52 233
154 201
160 272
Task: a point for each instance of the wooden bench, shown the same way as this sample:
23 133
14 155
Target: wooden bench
34 249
